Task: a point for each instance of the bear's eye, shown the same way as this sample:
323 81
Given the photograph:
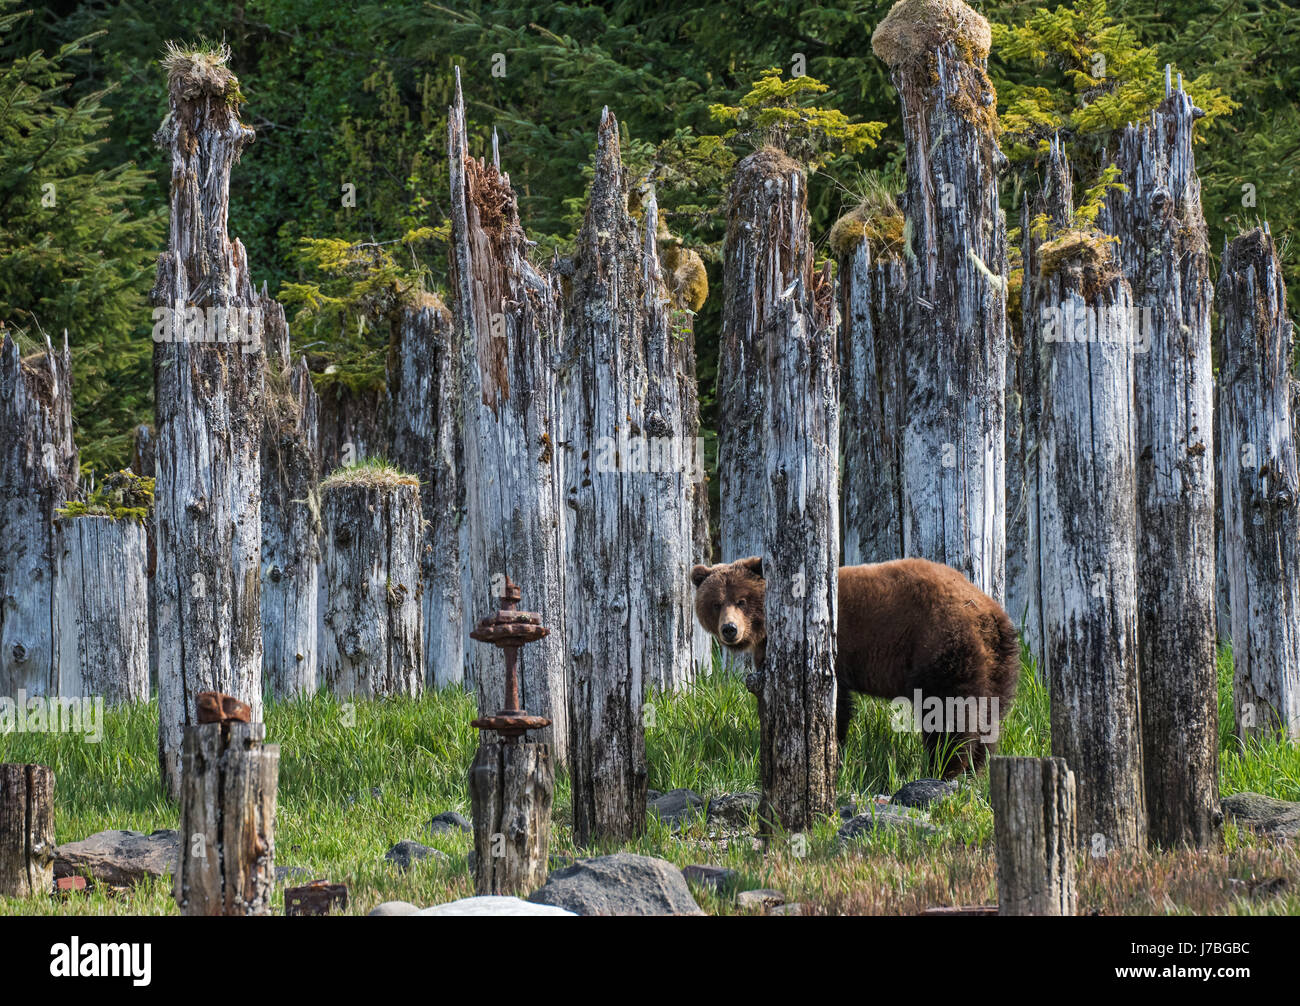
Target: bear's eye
717 605
741 605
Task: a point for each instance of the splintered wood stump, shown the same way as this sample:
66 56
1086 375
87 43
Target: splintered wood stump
38 472
511 785
953 344
510 336
1082 321
290 517
426 420
229 779
1261 489
371 635
26 830
1034 827
103 609
796 702
1164 252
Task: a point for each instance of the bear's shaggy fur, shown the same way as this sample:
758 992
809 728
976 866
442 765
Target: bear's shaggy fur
905 626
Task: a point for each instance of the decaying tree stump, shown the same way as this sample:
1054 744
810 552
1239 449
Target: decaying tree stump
1164 253
1023 591
26 830
351 426
797 749
102 629
208 363
291 524
372 639
38 472
511 785
1261 493
228 797
144 462
954 340
767 249
1034 824
425 386
1082 320
873 291
509 329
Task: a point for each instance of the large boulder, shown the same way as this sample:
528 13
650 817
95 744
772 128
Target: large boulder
1263 814
120 858
492 904
621 884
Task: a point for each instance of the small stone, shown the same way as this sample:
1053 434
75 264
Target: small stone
733 811
620 884
284 873
1263 814
394 908
406 852
923 792
793 909
449 821
676 807
764 897
888 818
491 904
718 878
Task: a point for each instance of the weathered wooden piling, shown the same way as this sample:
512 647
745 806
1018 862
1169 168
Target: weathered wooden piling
1258 398
208 363
26 830
426 425
38 472
1163 250
1034 827
954 339
510 329
229 782
372 636
796 701
291 522
1081 317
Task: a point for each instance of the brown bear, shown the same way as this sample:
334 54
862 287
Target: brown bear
910 630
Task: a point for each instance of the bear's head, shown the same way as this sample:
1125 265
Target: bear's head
729 602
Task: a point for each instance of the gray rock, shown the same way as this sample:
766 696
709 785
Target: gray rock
890 818
283 873
406 852
719 878
621 884
923 792
652 794
733 811
491 904
677 807
120 858
449 821
793 909
765 897
394 908
1263 814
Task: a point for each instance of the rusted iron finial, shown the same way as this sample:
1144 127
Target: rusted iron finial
510 629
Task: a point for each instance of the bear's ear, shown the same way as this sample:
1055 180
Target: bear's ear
700 573
753 566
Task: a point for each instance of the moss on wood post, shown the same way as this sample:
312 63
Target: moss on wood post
426 423
291 523
954 340
509 327
1258 400
1164 253
208 363
1081 318
372 637
38 471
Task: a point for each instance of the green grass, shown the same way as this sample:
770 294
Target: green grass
357 778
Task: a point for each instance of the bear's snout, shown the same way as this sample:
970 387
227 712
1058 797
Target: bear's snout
730 630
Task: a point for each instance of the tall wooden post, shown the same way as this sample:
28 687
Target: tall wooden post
797 754
1082 319
1164 253
372 637
1034 821
38 472
426 420
954 340
508 315
26 830
767 249
291 523
208 363
1261 492
229 781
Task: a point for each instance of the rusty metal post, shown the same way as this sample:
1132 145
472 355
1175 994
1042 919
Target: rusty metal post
511 782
